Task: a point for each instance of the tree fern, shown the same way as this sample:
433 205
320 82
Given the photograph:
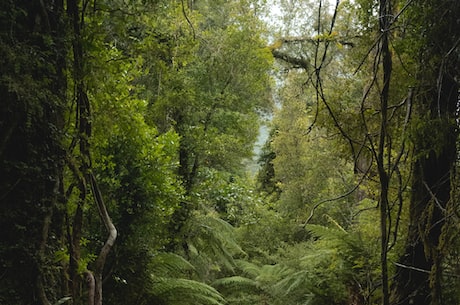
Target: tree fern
176 290
321 271
235 283
328 233
247 268
292 283
270 274
210 243
334 265
239 290
255 284
170 264
170 283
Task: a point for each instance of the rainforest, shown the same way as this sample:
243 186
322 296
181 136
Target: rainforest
229 152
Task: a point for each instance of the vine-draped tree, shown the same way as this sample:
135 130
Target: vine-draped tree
33 87
419 278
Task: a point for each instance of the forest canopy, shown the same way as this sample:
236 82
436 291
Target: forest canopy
237 152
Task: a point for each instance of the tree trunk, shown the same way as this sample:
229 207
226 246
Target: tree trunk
385 12
32 90
418 274
112 235
419 271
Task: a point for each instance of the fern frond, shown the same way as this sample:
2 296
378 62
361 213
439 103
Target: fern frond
324 232
235 283
270 274
170 264
292 282
315 257
212 242
248 268
176 290
221 231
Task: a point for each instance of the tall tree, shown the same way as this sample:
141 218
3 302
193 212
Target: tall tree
419 276
43 136
209 84
33 87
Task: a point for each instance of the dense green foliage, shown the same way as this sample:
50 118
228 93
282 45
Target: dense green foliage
128 134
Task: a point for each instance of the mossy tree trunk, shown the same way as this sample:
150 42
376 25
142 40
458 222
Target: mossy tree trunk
418 277
32 88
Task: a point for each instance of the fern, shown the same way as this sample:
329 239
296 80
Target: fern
248 268
211 243
239 290
270 274
168 282
253 289
292 283
336 260
324 232
235 283
175 290
170 264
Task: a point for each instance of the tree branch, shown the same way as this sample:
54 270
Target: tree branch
295 61
188 19
91 286
318 204
110 241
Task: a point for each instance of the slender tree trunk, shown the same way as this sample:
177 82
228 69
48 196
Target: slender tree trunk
81 122
91 283
110 241
385 10
84 173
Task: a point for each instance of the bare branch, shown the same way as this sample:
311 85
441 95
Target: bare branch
412 268
348 193
188 20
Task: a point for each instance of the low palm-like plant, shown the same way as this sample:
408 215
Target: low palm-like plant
170 285
336 267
